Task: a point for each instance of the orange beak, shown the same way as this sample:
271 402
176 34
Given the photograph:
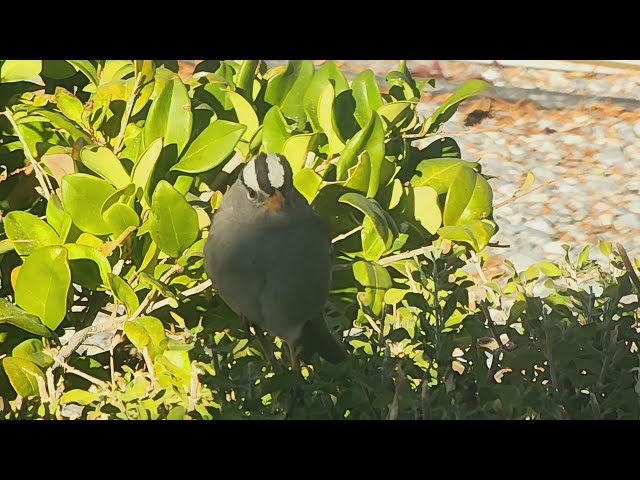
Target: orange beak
275 201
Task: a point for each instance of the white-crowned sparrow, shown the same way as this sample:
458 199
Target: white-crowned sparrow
269 257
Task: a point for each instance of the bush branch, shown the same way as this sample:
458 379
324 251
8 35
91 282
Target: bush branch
629 266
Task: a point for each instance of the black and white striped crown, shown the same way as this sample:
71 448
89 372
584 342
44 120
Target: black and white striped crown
267 172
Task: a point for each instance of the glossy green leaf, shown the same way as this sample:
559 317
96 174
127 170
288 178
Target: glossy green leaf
81 397
381 224
23 376
143 169
274 131
123 195
119 217
427 209
326 74
213 145
326 119
246 114
173 222
448 108
78 251
177 413
6 246
27 232
394 296
288 88
69 105
19 70
297 148
10 313
124 293
367 96
605 247
246 78
43 283
61 122
147 71
438 173
146 332
83 196
170 116
476 233
469 198
376 280
399 114
31 349
307 182
87 68
103 161
371 140
549 268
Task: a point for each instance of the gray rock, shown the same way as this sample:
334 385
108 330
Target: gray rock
610 155
541 225
628 220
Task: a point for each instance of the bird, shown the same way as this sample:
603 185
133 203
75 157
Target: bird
268 255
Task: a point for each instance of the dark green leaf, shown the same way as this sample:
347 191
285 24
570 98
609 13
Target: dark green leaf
9 313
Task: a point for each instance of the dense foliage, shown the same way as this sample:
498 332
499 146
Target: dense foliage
109 174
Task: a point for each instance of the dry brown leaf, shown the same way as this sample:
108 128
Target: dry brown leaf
59 164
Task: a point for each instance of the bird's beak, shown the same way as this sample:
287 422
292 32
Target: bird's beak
275 201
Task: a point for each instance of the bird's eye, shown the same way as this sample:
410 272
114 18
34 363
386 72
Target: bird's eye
251 193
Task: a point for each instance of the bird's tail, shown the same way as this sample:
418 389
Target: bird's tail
316 337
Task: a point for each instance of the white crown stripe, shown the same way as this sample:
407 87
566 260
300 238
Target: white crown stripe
249 175
275 171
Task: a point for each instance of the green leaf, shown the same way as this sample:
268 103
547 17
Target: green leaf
450 105
371 140
527 183
119 217
9 313
81 397
246 78
427 209
328 72
77 251
394 296
27 232
19 70
399 114
23 376
123 292
367 96
376 281
469 198
438 173
583 256
83 196
605 247
549 269
246 114
476 233
69 105
177 413
87 68
288 88
173 223
146 332
326 119
297 148
6 246
147 70
143 169
274 131
104 162
307 182
59 121
58 218
31 349
57 69
213 145
123 195
43 283
170 116
378 225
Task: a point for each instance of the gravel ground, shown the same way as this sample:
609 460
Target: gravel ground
578 131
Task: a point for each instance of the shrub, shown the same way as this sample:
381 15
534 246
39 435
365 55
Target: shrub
112 172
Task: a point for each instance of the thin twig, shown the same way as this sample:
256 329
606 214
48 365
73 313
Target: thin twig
150 367
348 234
629 266
187 293
516 196
403 256
127 114
42 178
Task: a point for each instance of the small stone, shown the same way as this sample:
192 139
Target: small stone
554 248
610 155
605 219
492 74
541 225
573 139
634 207
628 220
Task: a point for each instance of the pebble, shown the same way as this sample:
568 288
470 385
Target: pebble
628 220
541 225
610 155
